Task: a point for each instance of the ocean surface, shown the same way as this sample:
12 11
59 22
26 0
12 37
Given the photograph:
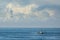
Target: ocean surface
29 34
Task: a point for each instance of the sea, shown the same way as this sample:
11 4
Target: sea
29 33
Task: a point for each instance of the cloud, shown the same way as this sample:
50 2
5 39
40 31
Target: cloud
19 9
50 12
31 11
44 14
39 13
16 12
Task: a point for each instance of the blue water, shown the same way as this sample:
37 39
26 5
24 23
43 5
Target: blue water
29 34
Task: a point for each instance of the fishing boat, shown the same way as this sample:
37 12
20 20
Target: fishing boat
40 33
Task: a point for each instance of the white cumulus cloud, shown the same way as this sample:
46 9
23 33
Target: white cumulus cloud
18 12
19 9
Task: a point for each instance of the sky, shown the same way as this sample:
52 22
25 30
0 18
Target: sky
30 13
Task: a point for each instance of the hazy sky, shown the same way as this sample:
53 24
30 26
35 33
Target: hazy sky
30 13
